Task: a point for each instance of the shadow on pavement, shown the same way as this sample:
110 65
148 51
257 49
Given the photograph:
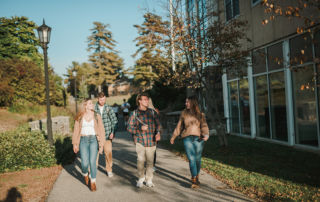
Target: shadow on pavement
71 169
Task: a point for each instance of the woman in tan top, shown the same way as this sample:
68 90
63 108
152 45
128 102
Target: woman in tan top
194 131
88 136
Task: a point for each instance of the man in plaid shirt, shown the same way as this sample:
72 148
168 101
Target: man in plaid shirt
109 120
144 124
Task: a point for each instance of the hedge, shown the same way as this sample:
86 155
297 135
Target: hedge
21 149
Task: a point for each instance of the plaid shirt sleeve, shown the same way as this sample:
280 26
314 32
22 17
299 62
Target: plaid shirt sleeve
132 124
113 119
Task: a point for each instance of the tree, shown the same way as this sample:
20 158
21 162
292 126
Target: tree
107 64
208 47
18 40
82 77
304 11
21 80
152 62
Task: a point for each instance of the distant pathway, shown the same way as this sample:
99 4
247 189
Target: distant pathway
172 180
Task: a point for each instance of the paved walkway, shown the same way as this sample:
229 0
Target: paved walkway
172 180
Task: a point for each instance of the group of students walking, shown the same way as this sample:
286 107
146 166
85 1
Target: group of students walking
94 131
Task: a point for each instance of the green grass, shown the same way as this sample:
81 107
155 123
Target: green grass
117 99
262 170
35 111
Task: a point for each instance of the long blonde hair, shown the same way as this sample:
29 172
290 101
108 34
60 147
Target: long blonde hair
82 109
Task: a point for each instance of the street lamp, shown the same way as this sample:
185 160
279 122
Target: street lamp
44 36
74 73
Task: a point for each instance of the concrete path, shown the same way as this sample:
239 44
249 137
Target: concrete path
172 180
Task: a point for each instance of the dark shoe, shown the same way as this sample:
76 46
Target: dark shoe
197 180
86 180
93 187
194 184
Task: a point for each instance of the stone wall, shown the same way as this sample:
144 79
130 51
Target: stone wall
60 125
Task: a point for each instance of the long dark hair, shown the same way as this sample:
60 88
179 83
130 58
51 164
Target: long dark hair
194 107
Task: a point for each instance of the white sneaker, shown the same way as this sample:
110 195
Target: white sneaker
154 169
149 184
140 182
110 174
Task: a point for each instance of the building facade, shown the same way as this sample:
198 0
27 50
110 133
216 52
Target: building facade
278 99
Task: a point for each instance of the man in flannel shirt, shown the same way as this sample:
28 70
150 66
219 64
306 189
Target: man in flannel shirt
144 124
109 120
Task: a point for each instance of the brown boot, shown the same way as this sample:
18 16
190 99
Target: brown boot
194 183
197 180
86 180
93 186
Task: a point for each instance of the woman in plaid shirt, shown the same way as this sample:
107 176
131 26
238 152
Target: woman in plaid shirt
144 124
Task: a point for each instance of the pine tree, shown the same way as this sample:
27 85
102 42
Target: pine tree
153 61
105 60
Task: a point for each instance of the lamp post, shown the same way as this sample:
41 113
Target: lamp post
44 36
74 73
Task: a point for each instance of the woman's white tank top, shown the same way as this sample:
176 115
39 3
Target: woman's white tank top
87 127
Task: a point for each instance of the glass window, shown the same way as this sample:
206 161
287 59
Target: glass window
301 49
228 9
232 8
317 44
278 106
275 57
254 2
262 109
234 106
259 61
244 107
305 106
235 5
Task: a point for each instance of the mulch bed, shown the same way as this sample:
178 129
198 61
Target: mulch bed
28 185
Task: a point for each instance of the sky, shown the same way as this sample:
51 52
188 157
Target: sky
71 21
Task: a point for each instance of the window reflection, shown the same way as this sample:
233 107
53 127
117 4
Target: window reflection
259 61
275 57
234 106
317 44
305 106
244 107
301 49
262 110
278 106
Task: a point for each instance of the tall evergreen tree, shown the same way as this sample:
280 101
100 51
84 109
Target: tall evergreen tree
106 62
153 61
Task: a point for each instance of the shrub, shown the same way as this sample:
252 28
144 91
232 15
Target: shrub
21 149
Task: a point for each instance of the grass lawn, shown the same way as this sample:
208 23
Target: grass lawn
117 99
261 170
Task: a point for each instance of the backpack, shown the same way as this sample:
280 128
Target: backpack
139 120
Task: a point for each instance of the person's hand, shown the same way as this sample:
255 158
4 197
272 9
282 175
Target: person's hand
111 136
205 138
144 127
172 141
158 137
75 149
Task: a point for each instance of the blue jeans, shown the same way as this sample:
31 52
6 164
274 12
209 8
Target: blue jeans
193 146
88 154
